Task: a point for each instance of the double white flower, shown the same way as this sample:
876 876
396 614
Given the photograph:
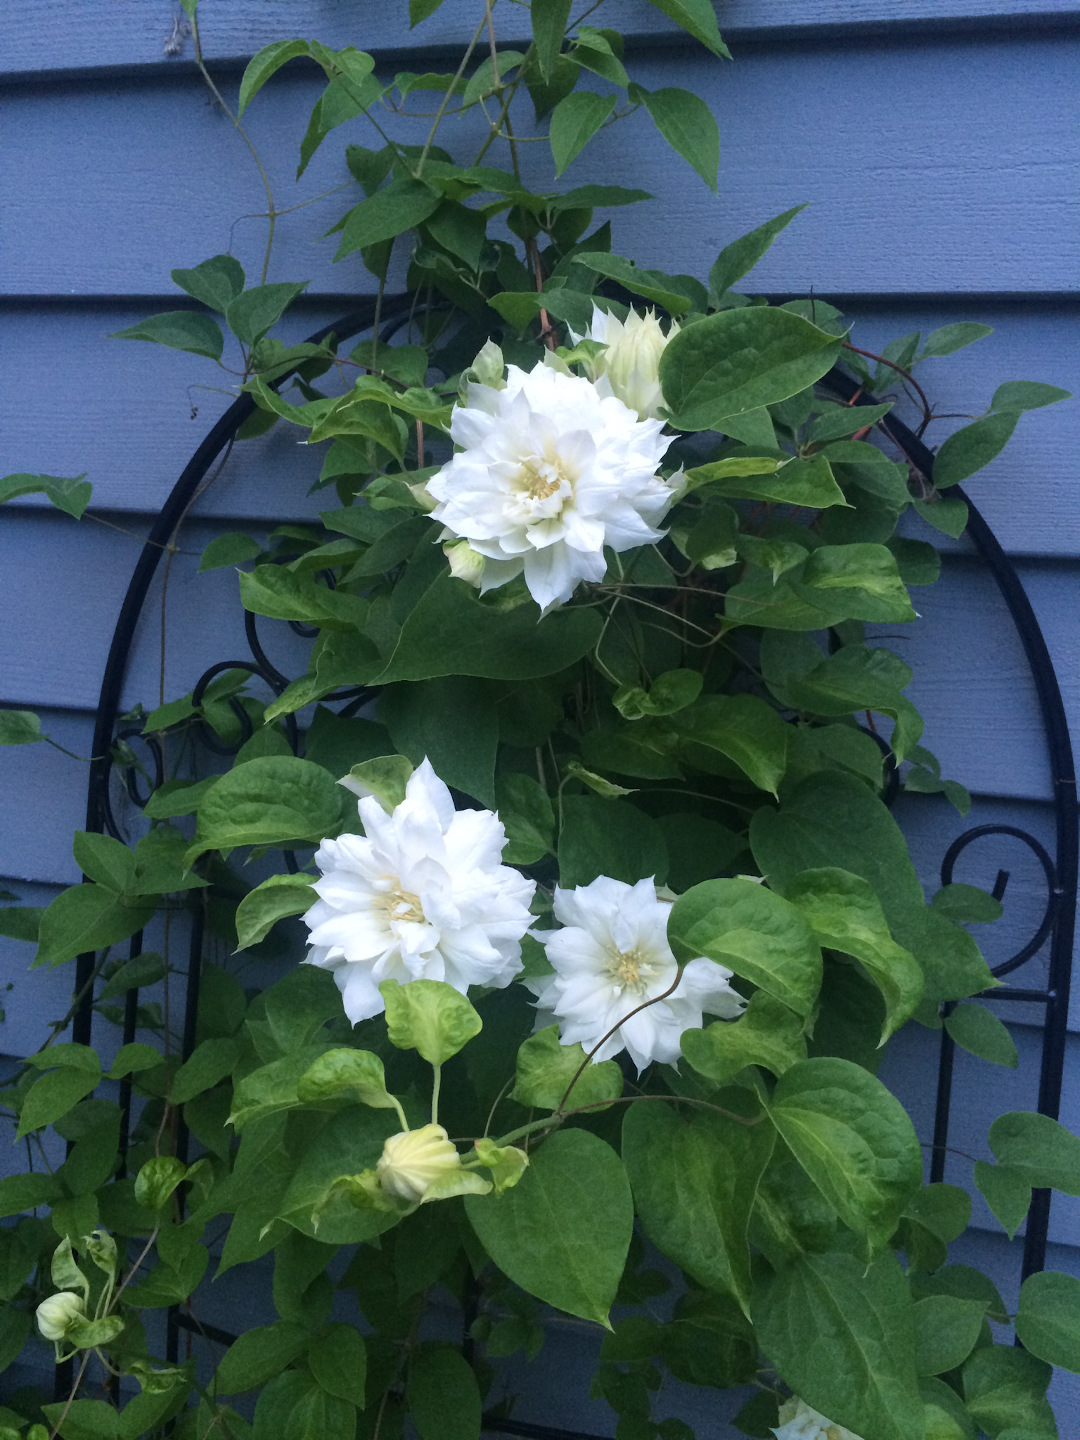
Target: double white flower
421 895
629 367
611 957
550 471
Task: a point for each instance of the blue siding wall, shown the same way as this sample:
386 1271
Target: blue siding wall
937 143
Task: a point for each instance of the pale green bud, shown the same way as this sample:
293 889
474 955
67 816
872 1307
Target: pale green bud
465 563
57 1314
487 369
631 362
413 1160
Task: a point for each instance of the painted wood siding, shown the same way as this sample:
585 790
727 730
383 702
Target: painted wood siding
937 143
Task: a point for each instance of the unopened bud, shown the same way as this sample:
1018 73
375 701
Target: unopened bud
57 1314
413 1160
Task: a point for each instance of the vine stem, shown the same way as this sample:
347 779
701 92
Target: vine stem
928 413
271 212
459 72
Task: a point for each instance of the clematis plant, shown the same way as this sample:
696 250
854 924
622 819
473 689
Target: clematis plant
582 920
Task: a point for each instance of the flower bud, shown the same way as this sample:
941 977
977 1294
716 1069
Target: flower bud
413 1159
57 1314
487 369
799 1422
465 563
631 362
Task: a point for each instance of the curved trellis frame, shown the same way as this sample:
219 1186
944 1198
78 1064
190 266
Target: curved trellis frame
1059 868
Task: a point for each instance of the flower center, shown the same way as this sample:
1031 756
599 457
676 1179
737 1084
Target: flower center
630 970
401 905
542 488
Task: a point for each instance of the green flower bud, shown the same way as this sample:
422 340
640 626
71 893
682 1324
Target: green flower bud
57 1314
413 1160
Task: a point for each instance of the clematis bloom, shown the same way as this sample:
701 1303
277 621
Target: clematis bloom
799 1422
414 1159
550 471
611 956
630 366
421 895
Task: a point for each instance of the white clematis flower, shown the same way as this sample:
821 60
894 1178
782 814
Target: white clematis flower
610 957
630 366
422 895
799 1422
550 471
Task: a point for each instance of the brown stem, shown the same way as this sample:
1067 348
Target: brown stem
870 355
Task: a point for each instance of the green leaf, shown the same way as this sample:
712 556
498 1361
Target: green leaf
674 292
70 495
545 1069
853 1138
524 807
563 1232
84 1420
738 360
574 121
742 728
206 1066
157 1179
442 1394
752 931
795 482
768 1034
1046 1153
132 1058
19 727
265 63
854 582
743 254
967 904
975 445
267 802
688 126
1025 395
26 1192
257 310
429 1016
549 19
179 330
949 338
258 1355
947 513
1048 1320
421 9
339 1072
338 1362
842 1336
1005 1387
104 860
976 1030
830 820
698 19
348 1144
694 1176
946 1329
843 420
1006 1191
452 722
448 632
391 211
53 1095
216 282
273 900
84 918
846 915
608 837
294 1406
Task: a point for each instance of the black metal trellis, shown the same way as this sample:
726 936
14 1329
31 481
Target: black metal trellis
1060 868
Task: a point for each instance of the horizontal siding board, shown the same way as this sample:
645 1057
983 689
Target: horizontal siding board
128 422
72 583
67 35
895 208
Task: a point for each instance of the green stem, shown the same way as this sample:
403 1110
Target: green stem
459 72
436 1086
